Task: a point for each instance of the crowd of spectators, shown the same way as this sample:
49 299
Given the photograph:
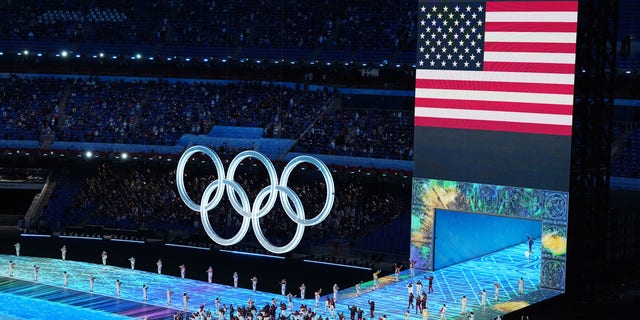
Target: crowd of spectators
159 112
29 107
361 133
387 25
143 196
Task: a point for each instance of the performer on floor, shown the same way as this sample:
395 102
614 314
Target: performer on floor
104 258
63 252
144 292
283 287
235 279
372 308
419 288
496 288
484 298
17 246
316 295
530 243
12 266
375 279
521 286
396 269
65 278
412 267
185 301
443 312
91 281
169 293
183 270
410 288
159 264
132 260
358 290
303 289
463 304
335 292
430 284
118 288
410 305
35 272
210 274
254 283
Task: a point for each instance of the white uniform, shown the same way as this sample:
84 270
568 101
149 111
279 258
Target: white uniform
159 264
463 303
169 293
183 270
185 301
303 289
117 288
210 275
104 258
65 278
235 279
91 280
35 272
133 263
144 292
335 292
484 298
63 252
521 286
254 283
283 287
12 265
17 245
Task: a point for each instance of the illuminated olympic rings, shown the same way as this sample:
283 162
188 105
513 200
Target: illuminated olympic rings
251 213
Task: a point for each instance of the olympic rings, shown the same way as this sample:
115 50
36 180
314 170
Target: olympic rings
251 213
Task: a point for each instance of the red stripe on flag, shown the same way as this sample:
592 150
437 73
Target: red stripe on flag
530 47
494 106
493 126
495 86
529 67
531 26
533 6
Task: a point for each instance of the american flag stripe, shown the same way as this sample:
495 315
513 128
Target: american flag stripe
526 76
498 106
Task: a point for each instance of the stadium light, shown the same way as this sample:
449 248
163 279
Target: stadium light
25 52
88 154
124 155
78 56
138 56
64 53
101 55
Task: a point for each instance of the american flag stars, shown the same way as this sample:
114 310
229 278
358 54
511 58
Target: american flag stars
451 37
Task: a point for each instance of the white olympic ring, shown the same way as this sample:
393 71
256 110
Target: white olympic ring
251 213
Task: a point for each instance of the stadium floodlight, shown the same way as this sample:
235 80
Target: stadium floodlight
205 60
187 59
169 59
138 56
64 53
78 56
39 54
114 57
124 155
151 58
25 52
628 72
101 55
88 154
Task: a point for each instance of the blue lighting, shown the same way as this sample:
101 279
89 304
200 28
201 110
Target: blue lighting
129 241
252 254
31 235
80 237
183 246
336 264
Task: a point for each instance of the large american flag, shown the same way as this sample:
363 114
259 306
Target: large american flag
500 66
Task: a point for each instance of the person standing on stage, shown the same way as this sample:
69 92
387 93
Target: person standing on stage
104 258
183 270
410 288
530 243
358 290
335 292
210 274
443 312
303 289
283 287
35 272
372 308
12 266
254 283
463 304
412 267
496 289
185 301
144 292
91 281
484 298
132 260
169 293
375 279
396 270
419 288
418 303
430 284
63 252
159 264
235 279
521 286
118 288
316 295
411 297
17 246
65 278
